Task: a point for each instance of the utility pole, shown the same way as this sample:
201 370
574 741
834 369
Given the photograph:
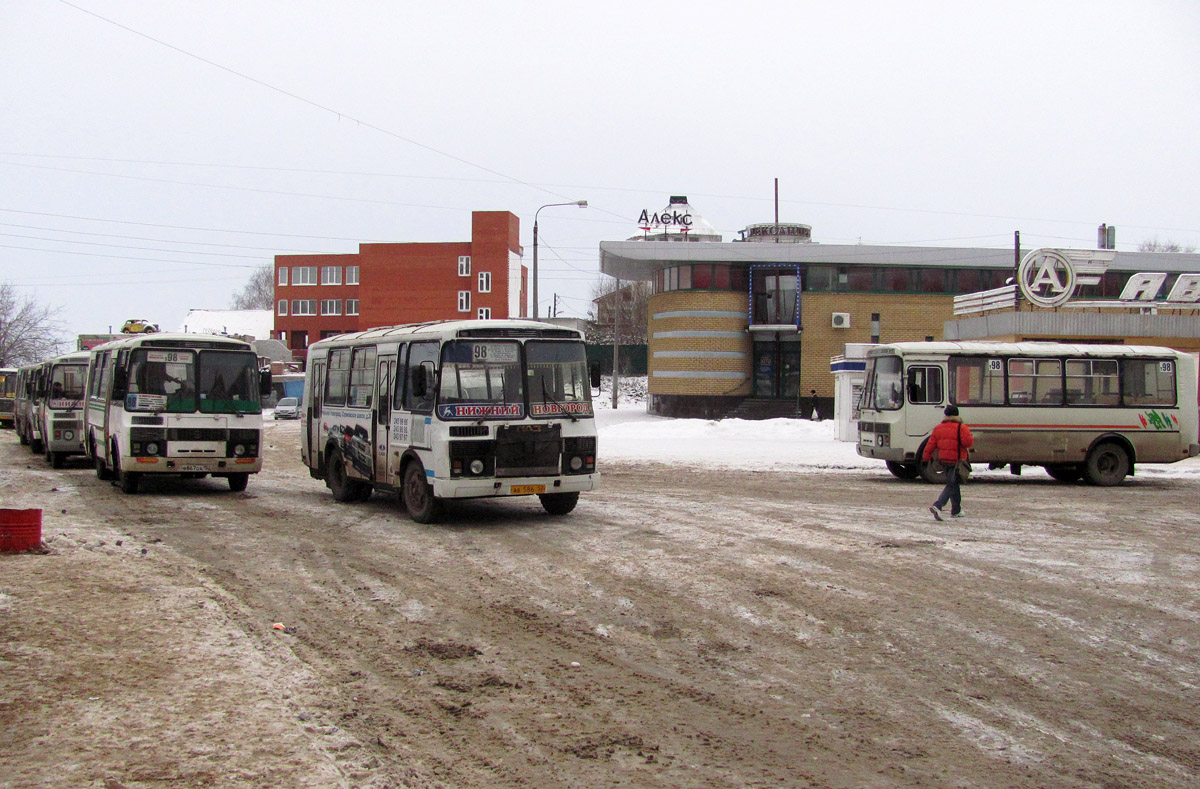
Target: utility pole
616 341
1017 267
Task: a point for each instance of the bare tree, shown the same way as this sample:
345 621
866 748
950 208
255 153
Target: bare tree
29 331
1154 245
259 293
631 304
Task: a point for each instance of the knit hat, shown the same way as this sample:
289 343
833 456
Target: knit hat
951 410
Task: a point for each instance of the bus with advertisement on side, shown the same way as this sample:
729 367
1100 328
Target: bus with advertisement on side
1080 411
175 404
57 406
452 410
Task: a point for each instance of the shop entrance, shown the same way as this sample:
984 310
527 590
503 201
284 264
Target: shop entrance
777 367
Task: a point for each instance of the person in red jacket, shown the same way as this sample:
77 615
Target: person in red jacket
950 440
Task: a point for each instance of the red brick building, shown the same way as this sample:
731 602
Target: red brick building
318 296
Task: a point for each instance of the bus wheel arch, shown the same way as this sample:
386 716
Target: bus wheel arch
1108 461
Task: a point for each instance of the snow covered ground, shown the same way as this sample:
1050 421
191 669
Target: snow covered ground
630 434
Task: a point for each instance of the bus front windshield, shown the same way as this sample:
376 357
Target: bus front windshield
66 385
481 379
558 379
176 381
885 380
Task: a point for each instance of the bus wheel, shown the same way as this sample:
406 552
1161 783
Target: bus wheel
559 503
903 470
342 487
102 472
35 446
56 459
1065 472
237 482
128 481
23 437
419 501
1107 464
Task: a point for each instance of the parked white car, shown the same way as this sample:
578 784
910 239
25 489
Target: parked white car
287 408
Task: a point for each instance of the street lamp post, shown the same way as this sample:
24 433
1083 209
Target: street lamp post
581 204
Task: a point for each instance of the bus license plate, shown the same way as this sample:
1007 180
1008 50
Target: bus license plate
520 490
192 468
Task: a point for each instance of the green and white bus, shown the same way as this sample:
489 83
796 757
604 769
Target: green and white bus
1079 411
183 404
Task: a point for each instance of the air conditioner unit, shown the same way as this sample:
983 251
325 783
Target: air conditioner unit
841 320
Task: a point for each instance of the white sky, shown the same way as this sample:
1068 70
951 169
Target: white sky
140 181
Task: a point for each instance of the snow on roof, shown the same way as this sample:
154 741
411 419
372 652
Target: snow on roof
254 323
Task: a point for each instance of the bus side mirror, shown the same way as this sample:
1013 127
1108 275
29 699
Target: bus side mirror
120 382
423 380
264 382
595 374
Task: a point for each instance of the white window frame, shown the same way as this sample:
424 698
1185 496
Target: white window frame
331 306
351 275
304 275
352 306
283 278
464 301
485 282
283 306
464 265
304 307
485 313
331 275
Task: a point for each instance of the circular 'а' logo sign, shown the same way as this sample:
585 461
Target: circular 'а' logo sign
1047 278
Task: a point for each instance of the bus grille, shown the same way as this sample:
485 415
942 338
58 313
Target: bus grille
528 450
196 434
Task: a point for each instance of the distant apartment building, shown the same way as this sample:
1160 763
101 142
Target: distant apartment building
318 296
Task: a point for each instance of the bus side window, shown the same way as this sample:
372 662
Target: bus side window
925 385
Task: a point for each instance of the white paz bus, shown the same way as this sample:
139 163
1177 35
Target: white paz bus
448 410
1079 411
184 404
58 406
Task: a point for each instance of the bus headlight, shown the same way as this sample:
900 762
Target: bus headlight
239 450
68 435
151 448
576 463
477 466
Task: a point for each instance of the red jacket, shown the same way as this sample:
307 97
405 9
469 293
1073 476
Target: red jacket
949 437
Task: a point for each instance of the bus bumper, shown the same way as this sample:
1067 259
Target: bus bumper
512 486
1193 450
159 465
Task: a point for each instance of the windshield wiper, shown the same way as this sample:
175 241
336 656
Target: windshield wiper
546 398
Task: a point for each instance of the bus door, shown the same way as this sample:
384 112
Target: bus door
925 391
414 392
316 395
384 372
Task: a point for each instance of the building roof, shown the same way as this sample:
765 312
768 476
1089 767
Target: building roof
641 259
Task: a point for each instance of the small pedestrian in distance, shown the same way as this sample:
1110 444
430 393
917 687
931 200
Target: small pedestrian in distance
948 444
813 412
